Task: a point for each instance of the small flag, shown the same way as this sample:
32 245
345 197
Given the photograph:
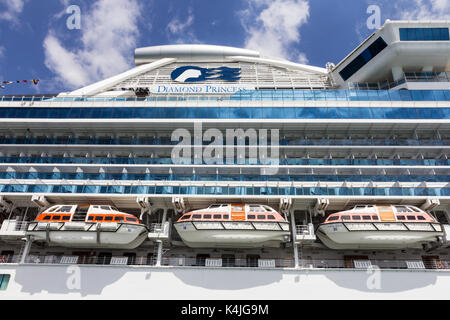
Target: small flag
35 81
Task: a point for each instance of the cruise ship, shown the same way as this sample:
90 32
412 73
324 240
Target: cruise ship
213 172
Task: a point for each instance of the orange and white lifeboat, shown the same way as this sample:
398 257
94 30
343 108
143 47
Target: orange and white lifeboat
380 227
97 226
233 226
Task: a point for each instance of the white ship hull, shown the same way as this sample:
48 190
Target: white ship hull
126 237
195 238
337 236
168 283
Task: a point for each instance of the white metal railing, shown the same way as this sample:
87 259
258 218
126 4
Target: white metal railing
180 261
13 226
156 228
302 229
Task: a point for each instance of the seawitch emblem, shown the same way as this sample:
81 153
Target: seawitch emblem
190 74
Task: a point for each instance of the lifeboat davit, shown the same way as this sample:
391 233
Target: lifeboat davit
97 226
380 227
233 226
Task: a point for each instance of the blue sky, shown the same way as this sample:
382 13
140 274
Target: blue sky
35 42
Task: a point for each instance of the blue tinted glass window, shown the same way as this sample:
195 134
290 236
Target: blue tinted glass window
420 34
436 34
403 34
445 36
373 50
428 34
424 34
411 34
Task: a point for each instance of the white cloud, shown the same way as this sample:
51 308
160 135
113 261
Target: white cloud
12 10
428 10
109 34
424 10
175 26
179 31
273 27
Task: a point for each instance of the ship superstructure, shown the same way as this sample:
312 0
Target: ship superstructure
226 160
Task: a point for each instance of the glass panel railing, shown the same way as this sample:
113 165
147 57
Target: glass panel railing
225 190
357 92
221 177
225 113
282 162
167 141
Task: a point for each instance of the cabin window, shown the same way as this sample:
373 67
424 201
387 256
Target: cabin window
411 218
207 216
254 208
197 216
401 218
226 216
270 217
129 219
4 281
269 209
402 209
261 217
375 218
99 218
421 218
333 218
108 218
53 209
360 207
366 217
217 216
356 217
251 216
56 218
105 208
187 217
47 218
414 209
118 218
90 218
345 217
65 209
215 206
66 218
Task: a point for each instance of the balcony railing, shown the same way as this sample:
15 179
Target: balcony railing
282 162
356 177
288 112
166 142
229 262
257 95
225 190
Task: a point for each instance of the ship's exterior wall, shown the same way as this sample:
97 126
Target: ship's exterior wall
100 282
